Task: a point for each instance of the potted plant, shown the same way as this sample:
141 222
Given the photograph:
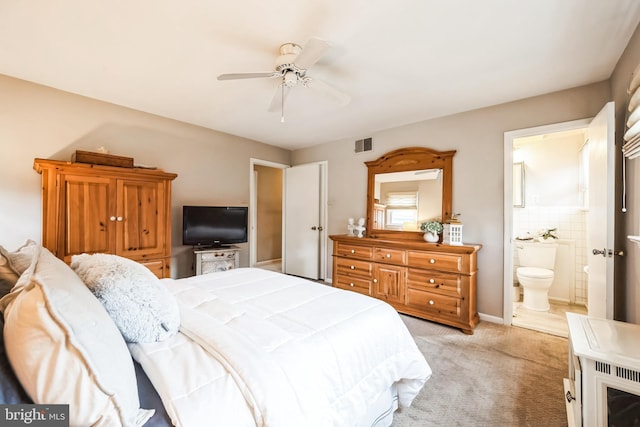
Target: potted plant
547 233
432 230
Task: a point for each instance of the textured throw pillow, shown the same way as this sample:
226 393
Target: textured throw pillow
65 349
142 308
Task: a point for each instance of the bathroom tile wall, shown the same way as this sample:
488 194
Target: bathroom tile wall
570 223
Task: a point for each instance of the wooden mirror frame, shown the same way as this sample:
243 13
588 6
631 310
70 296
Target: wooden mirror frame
403 160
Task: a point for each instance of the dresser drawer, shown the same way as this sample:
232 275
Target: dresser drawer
435 281
217 265
433 303
437 260
353 267
392 256
355 251
353 284
217 255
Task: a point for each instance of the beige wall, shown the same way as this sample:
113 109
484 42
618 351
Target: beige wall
627 297
36 121
478 137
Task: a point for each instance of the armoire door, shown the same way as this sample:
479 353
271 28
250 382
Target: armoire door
86 220
140 219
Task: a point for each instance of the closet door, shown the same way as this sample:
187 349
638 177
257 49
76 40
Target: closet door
141 220
86 215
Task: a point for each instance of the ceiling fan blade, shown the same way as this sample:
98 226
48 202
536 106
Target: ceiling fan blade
236 76
311 53
341 98
279 96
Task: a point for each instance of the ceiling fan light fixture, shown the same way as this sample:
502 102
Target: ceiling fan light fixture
290 79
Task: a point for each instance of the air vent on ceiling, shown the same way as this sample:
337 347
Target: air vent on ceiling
363 145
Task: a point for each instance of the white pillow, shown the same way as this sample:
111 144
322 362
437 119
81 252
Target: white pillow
141 307
65 349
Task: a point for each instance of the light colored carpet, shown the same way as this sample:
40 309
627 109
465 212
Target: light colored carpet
500 376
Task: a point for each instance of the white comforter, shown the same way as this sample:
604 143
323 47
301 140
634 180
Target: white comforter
262 348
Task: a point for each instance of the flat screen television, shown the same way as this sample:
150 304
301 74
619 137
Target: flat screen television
214 225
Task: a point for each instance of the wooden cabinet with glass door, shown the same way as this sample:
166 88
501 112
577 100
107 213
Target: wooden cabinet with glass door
104 209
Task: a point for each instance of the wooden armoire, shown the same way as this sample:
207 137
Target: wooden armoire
104 209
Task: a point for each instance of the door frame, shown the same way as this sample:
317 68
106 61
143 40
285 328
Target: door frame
253 197
509 137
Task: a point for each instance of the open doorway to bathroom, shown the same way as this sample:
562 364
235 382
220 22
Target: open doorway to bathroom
548 198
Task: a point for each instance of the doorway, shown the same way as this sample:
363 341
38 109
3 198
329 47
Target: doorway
598 203
547 195
265 213
271 228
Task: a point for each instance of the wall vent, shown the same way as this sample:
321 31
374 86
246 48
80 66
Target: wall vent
364 145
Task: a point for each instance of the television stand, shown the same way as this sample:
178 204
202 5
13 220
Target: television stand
212 259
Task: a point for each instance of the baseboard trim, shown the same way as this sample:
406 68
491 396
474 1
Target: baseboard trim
491 319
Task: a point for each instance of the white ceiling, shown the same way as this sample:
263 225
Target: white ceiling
400 61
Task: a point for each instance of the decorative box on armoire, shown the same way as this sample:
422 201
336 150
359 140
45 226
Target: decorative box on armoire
89 208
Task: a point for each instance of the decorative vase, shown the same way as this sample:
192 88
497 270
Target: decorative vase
431 237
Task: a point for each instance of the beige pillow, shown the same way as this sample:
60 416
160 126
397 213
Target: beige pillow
20 259
8 277
65 349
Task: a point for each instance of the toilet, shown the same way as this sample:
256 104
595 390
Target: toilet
535 273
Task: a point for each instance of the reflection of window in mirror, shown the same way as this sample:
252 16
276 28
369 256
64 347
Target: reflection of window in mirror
518 185
401 209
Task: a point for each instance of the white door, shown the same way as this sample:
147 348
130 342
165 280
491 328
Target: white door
302 221
600 217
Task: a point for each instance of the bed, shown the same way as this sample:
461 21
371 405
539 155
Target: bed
250 348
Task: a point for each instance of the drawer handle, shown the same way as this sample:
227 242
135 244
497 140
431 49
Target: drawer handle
353 267
432 281
431 302
388 255
432 261
353 251
375 280
351 284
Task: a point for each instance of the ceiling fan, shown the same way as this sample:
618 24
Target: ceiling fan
291 68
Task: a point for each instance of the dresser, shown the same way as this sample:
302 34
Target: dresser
105 209
427 280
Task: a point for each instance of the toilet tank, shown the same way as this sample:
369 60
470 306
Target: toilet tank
536 254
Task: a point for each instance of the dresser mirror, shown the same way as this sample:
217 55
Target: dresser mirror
406 187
